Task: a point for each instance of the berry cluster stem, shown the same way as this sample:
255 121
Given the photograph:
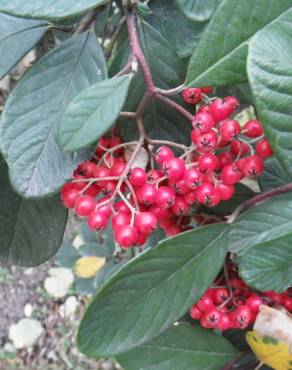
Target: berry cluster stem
263 197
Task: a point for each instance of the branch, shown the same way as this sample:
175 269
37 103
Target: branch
175 106
267 195
170 92
137 51
88 19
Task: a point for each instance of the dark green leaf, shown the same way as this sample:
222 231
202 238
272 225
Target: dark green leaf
92 113
17 37
198 10
262 223
94 249
274 175
33 111
106 272
268 266
220 57
143 9
270 75
67 255
183 34
31 230
48 9
179 270
181 347
84 286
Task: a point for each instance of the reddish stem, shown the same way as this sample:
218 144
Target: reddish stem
259 199
175 106
137 51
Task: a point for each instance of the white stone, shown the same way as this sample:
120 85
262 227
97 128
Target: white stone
69 308
25 333
28 310
5 83
59 282
78 241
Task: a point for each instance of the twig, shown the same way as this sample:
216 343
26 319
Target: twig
87 20
170 92
166 142
176 106
137 51
259 199
115 35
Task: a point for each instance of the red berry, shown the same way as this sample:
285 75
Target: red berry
225 322
193 178
97 221
154 175
87 169
172 229
233 102
120 219
212 318
220 109
253 166
224 158
163 154
263 148
205 303
254 302
239 147
192 95
101 172
207 142
180 206
207 89
195 313
274 297
204 108
208 162
225 191
229 129
203 122
253 128
121 206
220 295
84 205
287 303
174 169
118 168
145 194
160 213
180 187
126 236
137 176
191 198
145 222
208 195
69 197
164 197
241 317
230 174
109 188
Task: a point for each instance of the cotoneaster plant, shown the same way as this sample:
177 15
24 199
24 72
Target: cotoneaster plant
169 124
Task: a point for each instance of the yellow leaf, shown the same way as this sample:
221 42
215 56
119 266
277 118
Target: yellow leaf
87 267
270 351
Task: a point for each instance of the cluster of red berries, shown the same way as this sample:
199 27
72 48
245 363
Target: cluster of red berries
233 305
138 200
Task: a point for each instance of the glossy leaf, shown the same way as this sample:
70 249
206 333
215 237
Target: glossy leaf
92 113
181 347
33 110
31 230
274 175
220 57
262 223
48 9
270 75
183 34
17 37
179 270
268 266
67 255
198 10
